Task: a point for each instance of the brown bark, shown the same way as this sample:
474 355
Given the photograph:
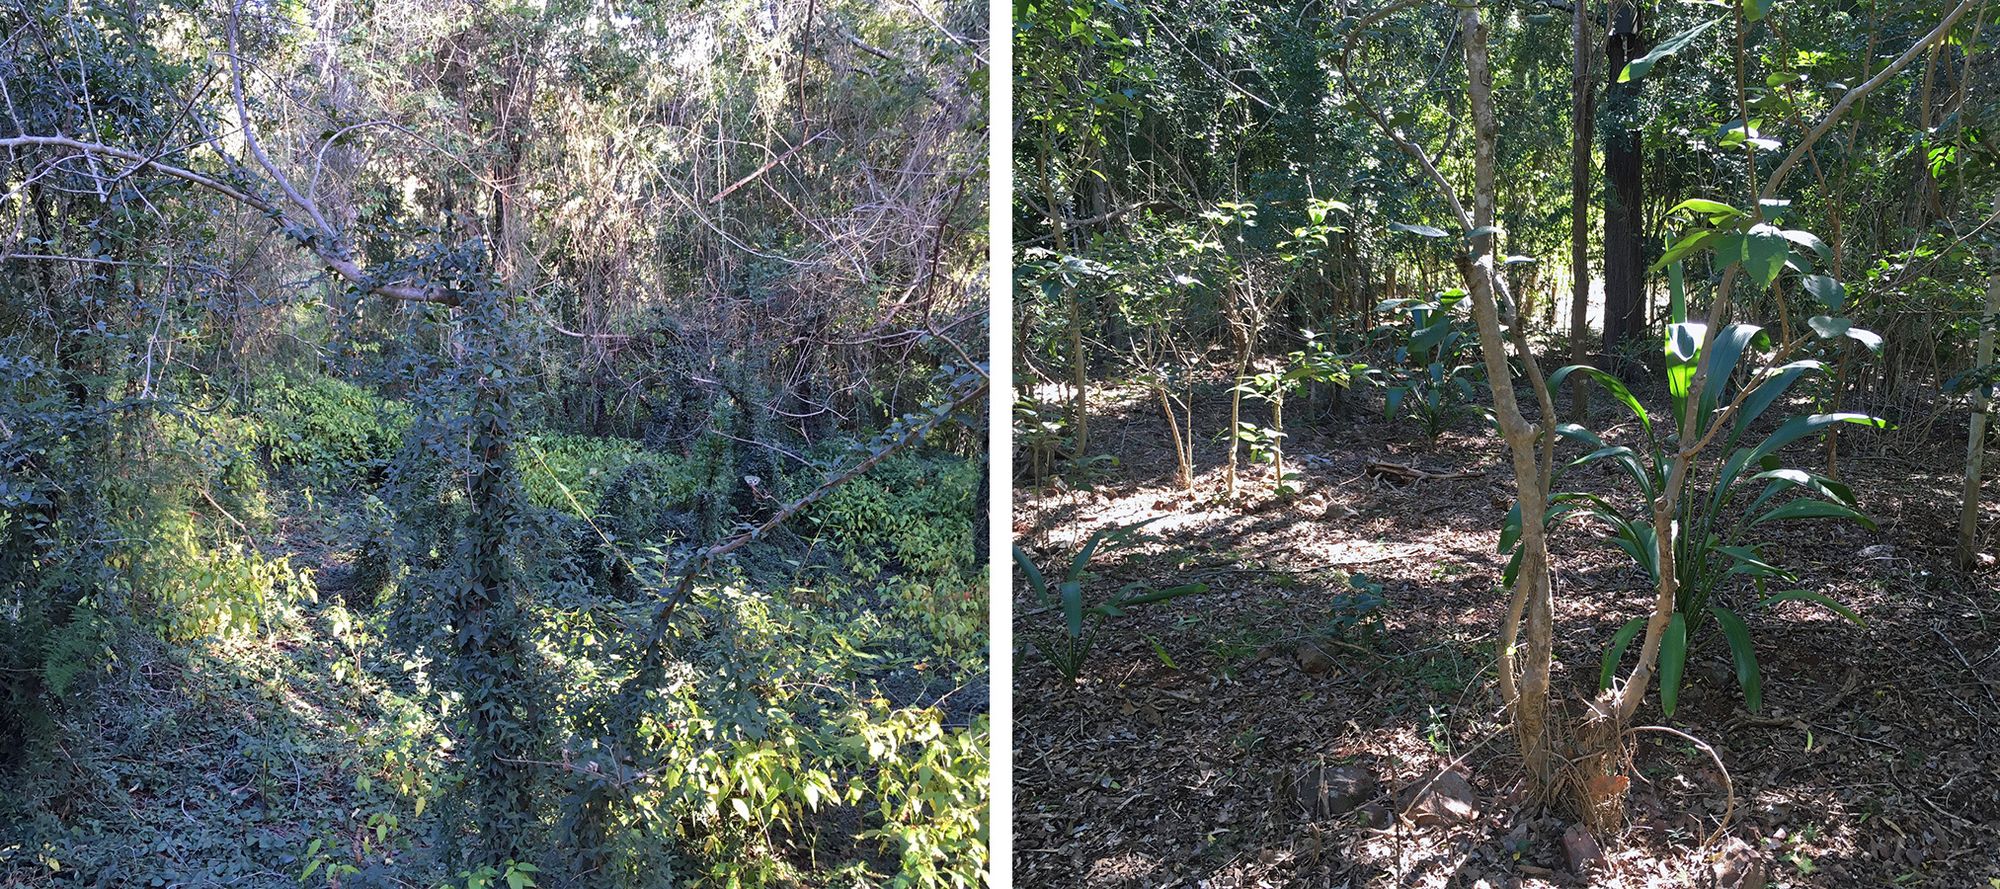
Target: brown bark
1582 105
1624 185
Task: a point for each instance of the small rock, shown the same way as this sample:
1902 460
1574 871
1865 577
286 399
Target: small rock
1314 657
1329 791
1582 849
1739 867
1440 799
1375 816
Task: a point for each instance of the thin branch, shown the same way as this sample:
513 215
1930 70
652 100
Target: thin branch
345 268
1854 95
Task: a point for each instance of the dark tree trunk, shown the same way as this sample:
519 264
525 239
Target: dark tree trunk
1581 107
1624 188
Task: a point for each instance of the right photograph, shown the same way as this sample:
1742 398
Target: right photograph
1505 445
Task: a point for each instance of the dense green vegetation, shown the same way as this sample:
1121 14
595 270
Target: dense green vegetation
1244 225
492 444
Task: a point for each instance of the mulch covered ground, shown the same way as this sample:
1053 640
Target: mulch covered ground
1177 758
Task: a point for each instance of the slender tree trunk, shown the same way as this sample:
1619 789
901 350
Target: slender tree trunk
1533 599
1975 437
1079 382
1183 470
1278 440
1236 418
1581 109
1624 184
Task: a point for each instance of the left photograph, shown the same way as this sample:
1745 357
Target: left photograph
494 444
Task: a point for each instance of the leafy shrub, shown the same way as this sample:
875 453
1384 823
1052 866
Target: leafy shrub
1429 376
632 494
1356 611
570 473
375 562
909 525
911 514
201 591
764 746
1714 542
931 790
328 429
1081 620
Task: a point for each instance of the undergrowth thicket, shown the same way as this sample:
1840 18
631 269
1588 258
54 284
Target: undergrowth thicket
796 750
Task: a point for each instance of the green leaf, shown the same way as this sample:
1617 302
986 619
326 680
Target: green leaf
1034 574
1827 290
1817 599
1756 10
1683 346
1716 211
1766 393
1611 384
1814 509
1186 589
1764 252
1749 561
1745 655
1640 66
1829 327
1072 602
1677 310
1428 231
1673 662
1616 652
1723 357
1831 489
1681 248
1811 242
1799 427
1867 338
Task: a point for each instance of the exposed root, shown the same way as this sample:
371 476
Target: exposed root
1728 786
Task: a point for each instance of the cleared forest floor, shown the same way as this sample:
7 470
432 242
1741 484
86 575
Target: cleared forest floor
1174 761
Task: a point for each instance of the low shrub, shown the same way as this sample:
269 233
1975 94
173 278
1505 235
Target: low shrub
329 430
570 473
912 515
200 591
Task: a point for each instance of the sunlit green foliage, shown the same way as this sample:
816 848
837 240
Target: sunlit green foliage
330 430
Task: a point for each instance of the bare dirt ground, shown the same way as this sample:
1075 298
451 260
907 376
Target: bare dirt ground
1173 760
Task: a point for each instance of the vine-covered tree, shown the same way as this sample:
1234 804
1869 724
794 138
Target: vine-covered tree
500 422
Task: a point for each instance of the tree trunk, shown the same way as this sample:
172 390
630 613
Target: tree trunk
1278 440
1079 379
1236 418
1581 107
1975 437
1624 184
1533 597
1183 468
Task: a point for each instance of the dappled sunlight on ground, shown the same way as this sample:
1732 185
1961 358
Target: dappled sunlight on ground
1169 762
